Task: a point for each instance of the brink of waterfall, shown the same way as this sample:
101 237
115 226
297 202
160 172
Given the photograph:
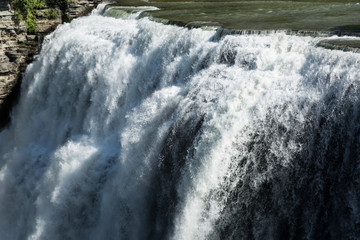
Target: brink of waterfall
129 128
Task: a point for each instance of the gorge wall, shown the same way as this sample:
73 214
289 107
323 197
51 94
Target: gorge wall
17 47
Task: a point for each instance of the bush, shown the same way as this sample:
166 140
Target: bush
27 9
51 13
30 22
24 5
18 15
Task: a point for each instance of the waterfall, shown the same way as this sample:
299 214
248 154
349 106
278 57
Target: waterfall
132 129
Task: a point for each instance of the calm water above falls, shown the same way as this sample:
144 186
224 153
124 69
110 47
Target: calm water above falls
303 15
130 129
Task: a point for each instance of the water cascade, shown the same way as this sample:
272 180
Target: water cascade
132 129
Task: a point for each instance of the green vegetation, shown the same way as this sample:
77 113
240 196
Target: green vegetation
30 22
51 13
27 10
67 18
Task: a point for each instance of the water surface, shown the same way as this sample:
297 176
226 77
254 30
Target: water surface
259 15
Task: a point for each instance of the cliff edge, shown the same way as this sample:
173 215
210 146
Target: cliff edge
18 46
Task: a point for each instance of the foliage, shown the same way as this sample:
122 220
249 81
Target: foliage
28 4
53 3
18 15
67 18
51 13
27 9
30 22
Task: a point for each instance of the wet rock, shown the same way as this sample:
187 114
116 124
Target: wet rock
343 44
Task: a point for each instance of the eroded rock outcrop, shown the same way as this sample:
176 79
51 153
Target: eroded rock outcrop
17 47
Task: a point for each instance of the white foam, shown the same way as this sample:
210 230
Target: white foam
99 106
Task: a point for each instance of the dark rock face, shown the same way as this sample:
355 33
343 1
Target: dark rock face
17 48
4 5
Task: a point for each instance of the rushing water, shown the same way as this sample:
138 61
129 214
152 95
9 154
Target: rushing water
131 129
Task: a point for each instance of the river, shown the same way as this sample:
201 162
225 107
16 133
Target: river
128 128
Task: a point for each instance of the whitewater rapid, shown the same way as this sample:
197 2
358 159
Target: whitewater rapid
131 129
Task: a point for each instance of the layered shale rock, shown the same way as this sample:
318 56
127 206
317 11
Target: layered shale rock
17 47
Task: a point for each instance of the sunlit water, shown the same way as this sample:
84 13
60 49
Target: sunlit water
298 15
131 129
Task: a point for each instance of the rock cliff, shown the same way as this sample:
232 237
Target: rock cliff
17 47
